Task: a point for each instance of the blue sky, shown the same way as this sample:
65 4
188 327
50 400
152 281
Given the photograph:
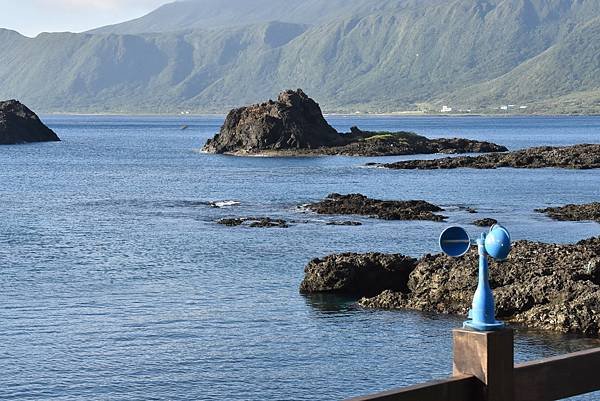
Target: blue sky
30 17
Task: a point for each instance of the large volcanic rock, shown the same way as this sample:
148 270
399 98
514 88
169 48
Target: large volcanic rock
584 156
357 274
18 124
294 121
548 286
294 125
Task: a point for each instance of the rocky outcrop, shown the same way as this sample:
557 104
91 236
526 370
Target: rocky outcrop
254 222
485 222
357 274
344 223
359 204
18 124
547 286
294 125
585 156
366 143
590 211
294 121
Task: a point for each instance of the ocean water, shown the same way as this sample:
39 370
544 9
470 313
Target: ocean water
116 283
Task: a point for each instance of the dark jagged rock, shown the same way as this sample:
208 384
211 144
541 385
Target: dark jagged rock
547 286
18 124
388 210
231 222
366 143
294 121
294 125
585 156
344 223
267 222
485 222
357 274
590 211
254 222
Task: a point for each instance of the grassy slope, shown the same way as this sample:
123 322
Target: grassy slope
461 52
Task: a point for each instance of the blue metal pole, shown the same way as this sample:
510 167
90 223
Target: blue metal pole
482 315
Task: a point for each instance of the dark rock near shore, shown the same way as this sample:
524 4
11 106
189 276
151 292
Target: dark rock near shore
254 222
485 222
294 126
18 124
585 156
590 211
357 274
383 209
546 286
344 223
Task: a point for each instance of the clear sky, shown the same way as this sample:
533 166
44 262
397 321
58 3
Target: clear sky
30 17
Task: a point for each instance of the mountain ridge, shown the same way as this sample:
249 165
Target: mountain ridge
380 56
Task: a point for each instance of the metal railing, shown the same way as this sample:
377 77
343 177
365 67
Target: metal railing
484 370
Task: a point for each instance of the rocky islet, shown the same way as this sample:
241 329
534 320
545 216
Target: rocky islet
18 124
253 222
293 125
485 222
359 204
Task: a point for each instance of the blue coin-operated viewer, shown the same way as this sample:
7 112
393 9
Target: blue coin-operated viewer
455 242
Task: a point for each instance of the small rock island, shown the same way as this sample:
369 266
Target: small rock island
294 125
18 124
254 222
359 204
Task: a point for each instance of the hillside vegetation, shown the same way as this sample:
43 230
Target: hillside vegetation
367 55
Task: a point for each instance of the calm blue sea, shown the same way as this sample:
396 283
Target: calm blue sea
116 283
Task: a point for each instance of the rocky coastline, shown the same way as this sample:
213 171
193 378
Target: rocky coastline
18 124
358 204
294 125
590 211
584 156
546 286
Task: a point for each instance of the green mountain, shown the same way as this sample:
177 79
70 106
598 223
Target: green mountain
368 55
207 14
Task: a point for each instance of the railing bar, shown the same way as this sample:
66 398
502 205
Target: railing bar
558 377
457 388
584 353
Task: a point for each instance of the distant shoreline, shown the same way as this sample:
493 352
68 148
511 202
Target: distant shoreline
393 114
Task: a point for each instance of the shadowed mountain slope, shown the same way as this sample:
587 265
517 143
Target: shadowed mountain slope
380 55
